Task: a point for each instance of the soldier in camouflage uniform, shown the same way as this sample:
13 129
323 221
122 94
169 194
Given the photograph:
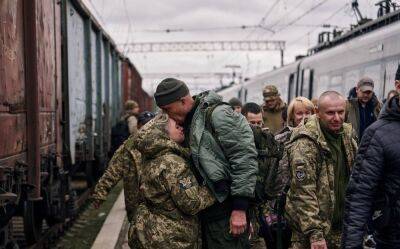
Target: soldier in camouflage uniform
123 165
320 153
172 196
272 109
268 155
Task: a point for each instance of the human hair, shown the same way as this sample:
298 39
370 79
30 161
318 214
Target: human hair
391 93
296 102
251 107
330 94
161 122
130 104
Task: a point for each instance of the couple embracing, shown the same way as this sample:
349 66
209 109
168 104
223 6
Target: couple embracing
198 174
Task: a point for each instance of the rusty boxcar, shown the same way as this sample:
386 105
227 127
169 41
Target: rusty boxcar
62 87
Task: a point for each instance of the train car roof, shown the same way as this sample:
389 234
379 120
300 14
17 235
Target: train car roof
358 31
365 48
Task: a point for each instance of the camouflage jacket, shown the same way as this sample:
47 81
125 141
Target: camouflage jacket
273 118
123 165
172 196
311 198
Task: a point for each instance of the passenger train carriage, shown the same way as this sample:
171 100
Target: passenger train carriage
372 50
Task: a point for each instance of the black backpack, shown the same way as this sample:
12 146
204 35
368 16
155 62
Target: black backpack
119 133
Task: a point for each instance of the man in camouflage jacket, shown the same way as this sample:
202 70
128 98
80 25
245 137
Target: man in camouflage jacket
319 175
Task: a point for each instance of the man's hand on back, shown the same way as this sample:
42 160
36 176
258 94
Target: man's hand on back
238 222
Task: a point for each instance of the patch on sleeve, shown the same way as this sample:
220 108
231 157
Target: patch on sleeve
185 183
300 175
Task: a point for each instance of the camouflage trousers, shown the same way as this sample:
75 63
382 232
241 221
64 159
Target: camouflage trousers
332 239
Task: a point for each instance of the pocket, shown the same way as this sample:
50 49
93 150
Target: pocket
382 214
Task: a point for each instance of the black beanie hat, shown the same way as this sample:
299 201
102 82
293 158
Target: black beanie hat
235 102
169 91
398 73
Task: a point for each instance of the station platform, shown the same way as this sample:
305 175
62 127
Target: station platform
114 232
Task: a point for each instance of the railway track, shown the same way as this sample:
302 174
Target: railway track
50 234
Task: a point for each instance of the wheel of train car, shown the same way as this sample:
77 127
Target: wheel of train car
33 221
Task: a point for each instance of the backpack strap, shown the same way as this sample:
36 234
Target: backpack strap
209 123
209 111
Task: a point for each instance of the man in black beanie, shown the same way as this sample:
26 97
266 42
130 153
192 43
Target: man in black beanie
224 158
397 80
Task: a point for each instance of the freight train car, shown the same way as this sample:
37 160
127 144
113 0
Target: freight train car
133 87
371 49
61 88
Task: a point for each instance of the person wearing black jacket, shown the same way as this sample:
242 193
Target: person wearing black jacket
374 187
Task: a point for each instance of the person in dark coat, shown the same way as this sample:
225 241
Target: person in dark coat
364 109
374 187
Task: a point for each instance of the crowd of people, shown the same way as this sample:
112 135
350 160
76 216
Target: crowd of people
313 174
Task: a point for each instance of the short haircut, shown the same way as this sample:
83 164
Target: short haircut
331 94
251 107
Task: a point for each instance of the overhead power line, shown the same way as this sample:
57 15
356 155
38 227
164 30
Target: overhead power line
262 21
174 30
303 15
324 21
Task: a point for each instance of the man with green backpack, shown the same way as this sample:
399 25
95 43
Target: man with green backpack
224 158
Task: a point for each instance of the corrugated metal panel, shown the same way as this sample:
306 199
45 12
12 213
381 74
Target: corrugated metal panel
106 94
46 64
96 90
76 77
12 80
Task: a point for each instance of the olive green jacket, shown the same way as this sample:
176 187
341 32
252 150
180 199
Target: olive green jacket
353 113
233 157
311 198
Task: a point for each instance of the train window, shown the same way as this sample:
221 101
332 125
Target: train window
291 87
323 84
336 84
391 68
306 86
311 86
351 79
303 80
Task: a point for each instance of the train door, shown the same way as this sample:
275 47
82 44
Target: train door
292 87
307 81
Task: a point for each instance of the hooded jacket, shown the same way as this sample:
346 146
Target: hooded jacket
311 198
353 112
376 175
273 118
226 154
172 196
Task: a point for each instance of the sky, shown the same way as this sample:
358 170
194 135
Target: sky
297 22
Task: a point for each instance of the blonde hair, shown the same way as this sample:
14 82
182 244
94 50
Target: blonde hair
298 100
